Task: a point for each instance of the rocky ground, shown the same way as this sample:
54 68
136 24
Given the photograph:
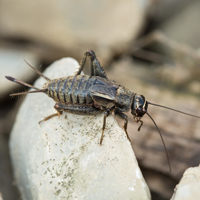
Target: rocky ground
150 48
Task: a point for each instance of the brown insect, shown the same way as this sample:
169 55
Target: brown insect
90 95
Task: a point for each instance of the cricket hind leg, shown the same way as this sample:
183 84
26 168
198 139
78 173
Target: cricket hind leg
75 109
96 68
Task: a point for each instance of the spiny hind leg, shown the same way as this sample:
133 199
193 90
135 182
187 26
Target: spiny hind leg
75 109
96 68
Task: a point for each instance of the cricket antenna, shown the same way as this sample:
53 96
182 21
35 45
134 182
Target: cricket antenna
161 139
173 110
25 84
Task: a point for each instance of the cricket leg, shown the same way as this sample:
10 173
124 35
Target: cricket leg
59 112
106 114
121 115
141 123
96 68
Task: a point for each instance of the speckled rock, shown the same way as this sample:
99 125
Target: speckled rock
188 188
62 159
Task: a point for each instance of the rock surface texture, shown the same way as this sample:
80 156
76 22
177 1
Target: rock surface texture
62 158
188 188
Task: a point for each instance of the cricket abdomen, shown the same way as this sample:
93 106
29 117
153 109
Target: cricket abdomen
71 89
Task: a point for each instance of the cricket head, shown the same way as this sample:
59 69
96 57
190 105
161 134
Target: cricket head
139 107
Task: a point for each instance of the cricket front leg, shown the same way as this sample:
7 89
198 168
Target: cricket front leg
138 120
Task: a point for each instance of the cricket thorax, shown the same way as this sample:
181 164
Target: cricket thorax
124 99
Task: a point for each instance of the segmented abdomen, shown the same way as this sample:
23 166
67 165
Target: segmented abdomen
71 89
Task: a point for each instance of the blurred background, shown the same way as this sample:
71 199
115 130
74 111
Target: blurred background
151 47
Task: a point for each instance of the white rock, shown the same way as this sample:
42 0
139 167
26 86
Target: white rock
188 188
62 158
1 198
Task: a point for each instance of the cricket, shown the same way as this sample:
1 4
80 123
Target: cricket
94 94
